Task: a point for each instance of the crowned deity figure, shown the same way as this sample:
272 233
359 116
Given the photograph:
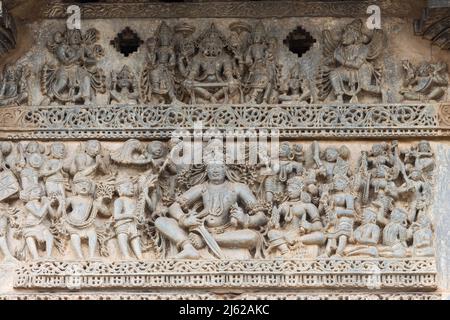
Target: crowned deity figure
158 77
221 224
280 170
349 68
76 79
262 71
211 75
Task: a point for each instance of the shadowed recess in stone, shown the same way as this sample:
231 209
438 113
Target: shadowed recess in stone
299 41
126 42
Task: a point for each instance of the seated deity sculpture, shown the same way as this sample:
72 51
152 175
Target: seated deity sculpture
35 230
14 86
124 87
366 236
296 89
301 220
221 224
211 76
125 219
80 214
158 76
76 79
349 64
427 82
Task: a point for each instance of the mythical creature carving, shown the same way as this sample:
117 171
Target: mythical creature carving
349 67
75 79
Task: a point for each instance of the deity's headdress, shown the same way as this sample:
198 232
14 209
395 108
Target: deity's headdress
355 25
259 30
399 214
212 37
125 73
164 34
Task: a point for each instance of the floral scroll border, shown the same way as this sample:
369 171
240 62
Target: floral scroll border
292 121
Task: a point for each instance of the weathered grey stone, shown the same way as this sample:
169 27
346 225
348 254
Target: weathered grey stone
93 195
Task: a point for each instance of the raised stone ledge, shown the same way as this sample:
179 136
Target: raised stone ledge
392 274
235 9
150 121
212 296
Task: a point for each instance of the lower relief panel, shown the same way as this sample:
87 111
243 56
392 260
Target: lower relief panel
137 220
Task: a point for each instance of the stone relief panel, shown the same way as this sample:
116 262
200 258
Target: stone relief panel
227 61
136 200
75 79
340 215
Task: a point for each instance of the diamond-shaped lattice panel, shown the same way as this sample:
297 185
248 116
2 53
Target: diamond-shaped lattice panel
299 41
126 42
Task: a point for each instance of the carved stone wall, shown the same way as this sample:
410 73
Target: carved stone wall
105 195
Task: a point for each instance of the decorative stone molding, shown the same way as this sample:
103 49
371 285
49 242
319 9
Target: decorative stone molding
145 121
322 218
260 9
417 274
211 296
